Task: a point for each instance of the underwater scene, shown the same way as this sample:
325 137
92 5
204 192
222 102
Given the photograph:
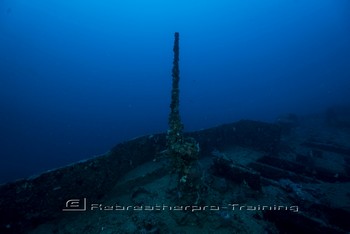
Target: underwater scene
150 117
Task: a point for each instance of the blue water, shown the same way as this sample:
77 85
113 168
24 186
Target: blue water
78 77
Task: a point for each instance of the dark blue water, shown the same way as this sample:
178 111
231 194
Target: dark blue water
78 77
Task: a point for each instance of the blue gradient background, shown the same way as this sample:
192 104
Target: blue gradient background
77 77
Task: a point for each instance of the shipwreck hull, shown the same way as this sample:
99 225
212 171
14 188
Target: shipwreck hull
246 162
